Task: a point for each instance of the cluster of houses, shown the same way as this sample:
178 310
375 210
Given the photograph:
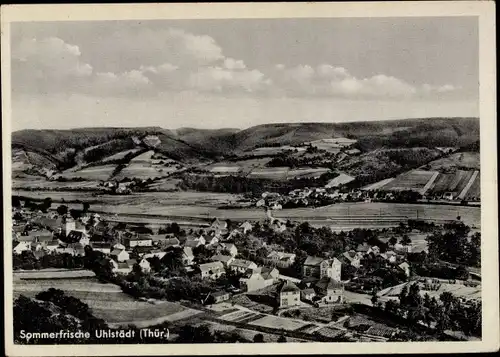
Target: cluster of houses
321 283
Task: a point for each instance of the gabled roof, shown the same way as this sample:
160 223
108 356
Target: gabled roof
100 245
308 291
211 266
52 243
313 260
327 283
222 258
188 252
287 286
116 251
242 263
130 262
171 241
76 236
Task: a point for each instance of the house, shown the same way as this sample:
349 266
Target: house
187 256
76 249
260 203
288 294
231 248
119 255
155 253
68 225
220 296
242 265
170 242
320 267
211 240
51 246
200 239
307 294
218 225
103 247
192 243
390 256
224 259
402 248
448 196
364 249
259 278
212 270
145 266
119 246
405 267
352 258
280 259
329 291
123 267
20 247
246 227
78 236
141 240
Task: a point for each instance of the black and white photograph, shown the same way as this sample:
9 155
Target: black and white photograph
249 181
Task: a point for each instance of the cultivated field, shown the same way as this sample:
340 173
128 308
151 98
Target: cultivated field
120 155
278 323
107 301
469 160
52 274
416 180
53 185
306 172
377 185
332 145
203 205
93 173
459 290
341 179
273 173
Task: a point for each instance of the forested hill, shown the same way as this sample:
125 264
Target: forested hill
191 145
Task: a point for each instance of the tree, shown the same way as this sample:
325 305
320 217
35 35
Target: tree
86 207
62 210
392 241
258 338
405 240
16 202
282 339
374 298
75 213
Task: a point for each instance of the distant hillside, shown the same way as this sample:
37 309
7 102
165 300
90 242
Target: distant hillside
64 149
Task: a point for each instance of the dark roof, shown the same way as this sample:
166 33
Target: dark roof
75 236
327 283
287 286
313 260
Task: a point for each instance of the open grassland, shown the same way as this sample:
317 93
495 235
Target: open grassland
341 179
141 171
93 173
332 145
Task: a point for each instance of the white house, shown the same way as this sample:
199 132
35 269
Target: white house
21 247
212 270
231 248
246 227
120 255
241 265
145 266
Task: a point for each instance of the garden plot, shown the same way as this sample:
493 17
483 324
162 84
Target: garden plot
278 323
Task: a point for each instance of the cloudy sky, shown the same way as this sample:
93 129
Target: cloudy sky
239 73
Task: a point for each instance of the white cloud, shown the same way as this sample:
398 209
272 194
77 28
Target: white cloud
185 61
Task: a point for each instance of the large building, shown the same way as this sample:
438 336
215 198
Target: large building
319 268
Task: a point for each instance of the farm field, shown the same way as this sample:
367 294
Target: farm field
93 173
306 172
108 302
342 179
453 182
278 323
458 290
53 274
120 155
377 185
274 150
273 173
474 192
53 185
411 180
229 168
204 205
141 171
470 160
